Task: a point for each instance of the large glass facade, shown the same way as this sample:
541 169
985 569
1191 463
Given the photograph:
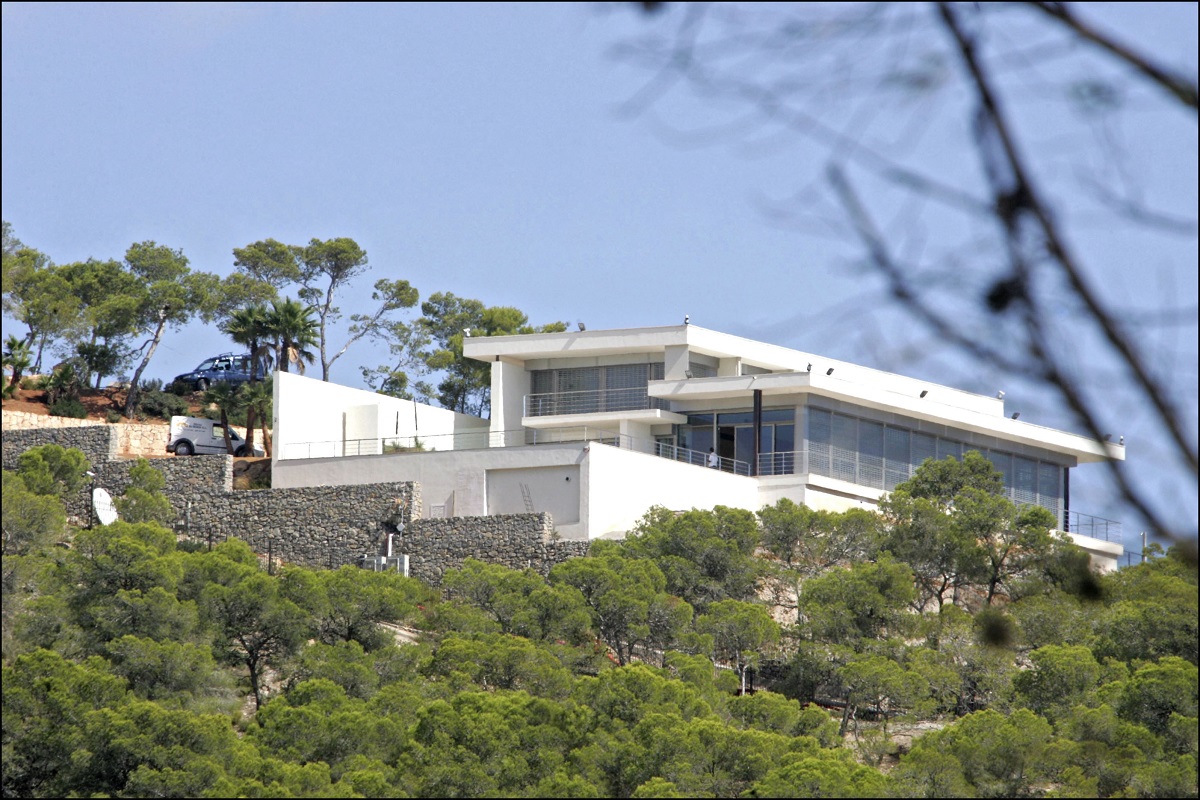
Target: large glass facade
880 456
731 434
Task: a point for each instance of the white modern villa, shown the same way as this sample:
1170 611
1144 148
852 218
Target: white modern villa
595 427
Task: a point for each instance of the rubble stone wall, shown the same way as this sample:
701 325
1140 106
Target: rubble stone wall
319 526
517 541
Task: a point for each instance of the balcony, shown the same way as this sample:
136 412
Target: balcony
592 401
1106 530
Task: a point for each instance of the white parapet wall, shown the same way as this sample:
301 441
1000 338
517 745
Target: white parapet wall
622 485
1106 556
318 419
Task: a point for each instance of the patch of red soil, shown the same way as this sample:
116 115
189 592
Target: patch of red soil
98 402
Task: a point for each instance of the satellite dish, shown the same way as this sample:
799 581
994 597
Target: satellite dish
106 511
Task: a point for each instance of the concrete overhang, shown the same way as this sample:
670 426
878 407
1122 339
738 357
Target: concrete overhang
573 343
1106 556
926 408
730 387
633 341
605 420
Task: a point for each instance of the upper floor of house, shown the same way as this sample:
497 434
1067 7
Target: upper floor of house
641 380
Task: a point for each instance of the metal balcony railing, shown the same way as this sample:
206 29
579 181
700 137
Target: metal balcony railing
790 462
699 459
1096 527
470 440
592 401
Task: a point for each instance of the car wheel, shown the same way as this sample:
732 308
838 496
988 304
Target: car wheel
241 452
184 448
202 385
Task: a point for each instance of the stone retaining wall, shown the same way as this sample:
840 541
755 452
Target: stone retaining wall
316 526
134 439
517 541
97 441
321 526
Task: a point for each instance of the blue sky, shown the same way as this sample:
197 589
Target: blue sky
483 150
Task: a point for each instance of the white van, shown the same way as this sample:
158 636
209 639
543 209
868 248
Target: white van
192 435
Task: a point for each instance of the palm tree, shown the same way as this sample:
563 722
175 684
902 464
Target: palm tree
17 356
228 399
291 325
248 327
258 398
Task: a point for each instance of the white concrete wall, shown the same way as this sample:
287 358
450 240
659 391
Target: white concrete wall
510 384
1106 556
622 485
457 480
551 489
676 358
313 418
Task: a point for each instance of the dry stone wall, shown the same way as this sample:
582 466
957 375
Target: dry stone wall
517 541
321 526
98 442
133 439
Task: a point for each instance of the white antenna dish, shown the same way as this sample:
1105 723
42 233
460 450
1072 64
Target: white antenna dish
102 502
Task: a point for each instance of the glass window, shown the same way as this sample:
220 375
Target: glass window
1024 481
1049 484
625 387
895 452
820 423
946 447
924 446
744 443
844 452
785 438
1003 463
870 454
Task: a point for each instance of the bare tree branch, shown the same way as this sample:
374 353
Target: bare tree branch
1174 84
1025 198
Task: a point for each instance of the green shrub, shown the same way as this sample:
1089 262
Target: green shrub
178 387
113 416
68 407
157 403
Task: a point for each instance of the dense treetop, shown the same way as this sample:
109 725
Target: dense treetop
138 665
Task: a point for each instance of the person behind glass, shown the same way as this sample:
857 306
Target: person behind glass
712 458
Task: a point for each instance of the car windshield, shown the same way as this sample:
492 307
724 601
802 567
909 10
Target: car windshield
207 363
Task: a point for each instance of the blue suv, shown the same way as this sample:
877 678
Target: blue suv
226 367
